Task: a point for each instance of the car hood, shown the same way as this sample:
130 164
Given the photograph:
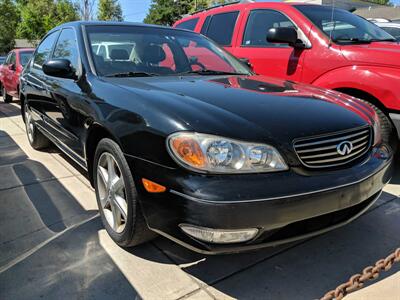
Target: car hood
376 53
252 108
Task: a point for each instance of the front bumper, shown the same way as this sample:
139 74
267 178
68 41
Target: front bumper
284 206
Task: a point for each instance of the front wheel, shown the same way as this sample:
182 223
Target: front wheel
117 197
7 98
36 138
388 132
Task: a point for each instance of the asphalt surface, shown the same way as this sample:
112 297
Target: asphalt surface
53 246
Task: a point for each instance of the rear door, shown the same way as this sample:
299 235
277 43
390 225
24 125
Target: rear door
221 28
277 60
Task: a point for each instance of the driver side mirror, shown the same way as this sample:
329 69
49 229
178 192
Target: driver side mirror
283 35
59 68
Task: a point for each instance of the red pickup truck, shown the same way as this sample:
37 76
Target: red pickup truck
11 70
328 47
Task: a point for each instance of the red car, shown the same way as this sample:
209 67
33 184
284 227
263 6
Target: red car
314 44
11 70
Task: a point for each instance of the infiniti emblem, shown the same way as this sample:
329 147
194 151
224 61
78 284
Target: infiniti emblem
344 148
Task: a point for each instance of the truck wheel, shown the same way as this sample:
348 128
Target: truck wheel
388 133
7 98
117 196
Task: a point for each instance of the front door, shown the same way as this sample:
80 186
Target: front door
66 105
9 73
276 60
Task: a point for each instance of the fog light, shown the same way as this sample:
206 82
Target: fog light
219 236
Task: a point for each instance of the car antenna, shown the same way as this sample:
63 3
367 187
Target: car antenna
334 23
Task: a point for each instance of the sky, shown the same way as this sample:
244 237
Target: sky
135 10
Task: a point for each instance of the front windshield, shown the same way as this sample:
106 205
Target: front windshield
25 56
342 26
151 51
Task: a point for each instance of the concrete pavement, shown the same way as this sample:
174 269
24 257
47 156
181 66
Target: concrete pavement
53 246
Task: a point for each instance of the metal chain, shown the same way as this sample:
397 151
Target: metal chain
369 273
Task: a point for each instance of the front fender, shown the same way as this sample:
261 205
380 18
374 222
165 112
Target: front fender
380 82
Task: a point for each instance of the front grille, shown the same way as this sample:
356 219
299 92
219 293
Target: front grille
333 149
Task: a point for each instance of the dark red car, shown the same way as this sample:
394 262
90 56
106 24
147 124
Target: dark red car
330 48
11 70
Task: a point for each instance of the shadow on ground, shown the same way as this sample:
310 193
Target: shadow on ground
49 244
9 110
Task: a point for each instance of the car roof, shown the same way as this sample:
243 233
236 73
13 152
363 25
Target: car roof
78 24
24 49
243 5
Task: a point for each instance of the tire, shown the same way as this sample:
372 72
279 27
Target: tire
7 98
122 218
388 133
37 140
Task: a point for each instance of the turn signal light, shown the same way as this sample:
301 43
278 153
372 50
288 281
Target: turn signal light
189 151
153 187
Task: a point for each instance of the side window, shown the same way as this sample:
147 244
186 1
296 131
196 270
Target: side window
199 56
205 25
189 24
258 24
102 52
13 59
67 48
221 27
44 50
394 31
169 61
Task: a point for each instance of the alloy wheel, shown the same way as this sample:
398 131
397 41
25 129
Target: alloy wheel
29 123
111 191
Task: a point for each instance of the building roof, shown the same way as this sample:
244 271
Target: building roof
23 43
386 12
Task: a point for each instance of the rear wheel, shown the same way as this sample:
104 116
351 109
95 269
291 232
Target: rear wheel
117 197
7 98
35 137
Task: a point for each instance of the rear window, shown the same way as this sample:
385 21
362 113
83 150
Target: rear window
189 24
221 27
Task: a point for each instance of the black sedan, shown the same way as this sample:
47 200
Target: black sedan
181 139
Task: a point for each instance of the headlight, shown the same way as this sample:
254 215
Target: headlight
214 154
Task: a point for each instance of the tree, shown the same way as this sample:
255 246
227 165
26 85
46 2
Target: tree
39 16
8 22
109 10
166 12
86 9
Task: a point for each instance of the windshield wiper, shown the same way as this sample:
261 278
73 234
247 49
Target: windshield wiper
210 72
353 40
131 74
383 40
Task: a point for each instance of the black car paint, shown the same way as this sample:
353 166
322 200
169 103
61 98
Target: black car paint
140 113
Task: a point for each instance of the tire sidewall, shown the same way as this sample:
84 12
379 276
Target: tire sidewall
6 98
107 145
